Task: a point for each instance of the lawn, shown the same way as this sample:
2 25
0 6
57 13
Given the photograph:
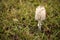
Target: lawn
17 20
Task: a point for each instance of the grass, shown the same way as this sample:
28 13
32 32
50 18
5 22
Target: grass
24 27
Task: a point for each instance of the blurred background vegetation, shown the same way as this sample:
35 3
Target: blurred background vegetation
17 20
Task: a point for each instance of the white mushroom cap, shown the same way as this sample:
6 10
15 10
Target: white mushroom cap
40 13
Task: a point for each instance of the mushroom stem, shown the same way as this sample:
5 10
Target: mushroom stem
39 25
